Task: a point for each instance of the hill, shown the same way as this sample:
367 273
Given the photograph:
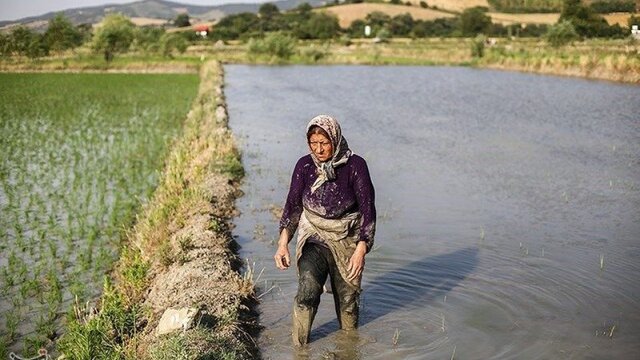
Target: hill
347 13
153 10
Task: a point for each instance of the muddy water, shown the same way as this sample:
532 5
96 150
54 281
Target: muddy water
508 209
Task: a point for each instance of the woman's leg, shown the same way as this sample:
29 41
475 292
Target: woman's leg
345 297
312 273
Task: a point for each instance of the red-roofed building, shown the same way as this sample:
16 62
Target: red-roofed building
201 29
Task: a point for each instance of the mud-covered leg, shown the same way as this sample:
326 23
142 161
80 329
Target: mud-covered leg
312 273
345 297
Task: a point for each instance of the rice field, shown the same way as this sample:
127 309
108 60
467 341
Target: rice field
79 154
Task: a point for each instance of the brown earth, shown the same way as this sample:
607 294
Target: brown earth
348 13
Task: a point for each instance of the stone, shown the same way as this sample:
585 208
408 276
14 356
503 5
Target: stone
177 319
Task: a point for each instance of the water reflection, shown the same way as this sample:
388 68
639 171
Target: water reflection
346 347
420 281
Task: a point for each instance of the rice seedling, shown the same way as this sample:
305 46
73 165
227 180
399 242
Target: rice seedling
396 337
73 175
601 261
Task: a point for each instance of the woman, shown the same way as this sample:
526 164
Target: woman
331 204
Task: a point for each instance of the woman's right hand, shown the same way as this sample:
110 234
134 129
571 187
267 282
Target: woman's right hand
282 257
283 260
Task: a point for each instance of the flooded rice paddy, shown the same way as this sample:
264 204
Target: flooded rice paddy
508 209
79 154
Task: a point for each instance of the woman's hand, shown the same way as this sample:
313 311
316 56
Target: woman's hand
356 262
282 257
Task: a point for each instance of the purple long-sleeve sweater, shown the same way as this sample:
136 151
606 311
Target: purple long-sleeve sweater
350 192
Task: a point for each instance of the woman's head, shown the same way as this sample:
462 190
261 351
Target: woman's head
324 137
320 143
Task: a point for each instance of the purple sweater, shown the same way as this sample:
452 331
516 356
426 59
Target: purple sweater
351 191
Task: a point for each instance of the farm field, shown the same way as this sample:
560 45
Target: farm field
83 152
349 12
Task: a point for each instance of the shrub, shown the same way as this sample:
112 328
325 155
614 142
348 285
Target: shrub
171 42
276 44
477 46
561 34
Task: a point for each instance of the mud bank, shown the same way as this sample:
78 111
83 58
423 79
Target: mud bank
179 255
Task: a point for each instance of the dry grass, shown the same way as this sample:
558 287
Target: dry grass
619 18
507 19
348 13
143 21
453 5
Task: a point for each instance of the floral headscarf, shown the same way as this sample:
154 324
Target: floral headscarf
341 151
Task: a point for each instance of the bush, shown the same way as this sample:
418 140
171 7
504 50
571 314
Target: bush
561 34
276 45
171 42
147 38
477 46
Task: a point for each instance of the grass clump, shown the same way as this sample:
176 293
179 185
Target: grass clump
171 251
275 45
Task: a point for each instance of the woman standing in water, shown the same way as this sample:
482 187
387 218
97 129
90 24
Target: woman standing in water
331 204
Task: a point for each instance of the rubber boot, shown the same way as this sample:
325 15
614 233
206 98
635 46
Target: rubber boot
302 320
348 320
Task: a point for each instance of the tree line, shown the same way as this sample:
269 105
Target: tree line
117 34
303 23
548 6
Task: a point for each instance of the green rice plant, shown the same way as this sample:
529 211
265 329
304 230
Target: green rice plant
79 170
11 319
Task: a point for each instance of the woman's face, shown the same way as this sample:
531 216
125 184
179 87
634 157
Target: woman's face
321 146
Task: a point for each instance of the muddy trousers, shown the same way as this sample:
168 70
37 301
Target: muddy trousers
315 264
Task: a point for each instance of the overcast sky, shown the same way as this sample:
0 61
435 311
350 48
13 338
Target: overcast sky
17 9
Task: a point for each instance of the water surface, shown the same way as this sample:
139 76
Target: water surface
508 209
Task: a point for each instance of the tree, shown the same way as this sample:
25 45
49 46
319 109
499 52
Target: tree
401 25
268 11
6 47
182 20
171 42
423 4
377 20
474 21
586 22
25 42
232 26
61 34
321 26
114 36
561 34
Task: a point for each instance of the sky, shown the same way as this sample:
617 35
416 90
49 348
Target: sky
18 9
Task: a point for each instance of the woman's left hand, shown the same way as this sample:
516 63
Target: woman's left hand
356 262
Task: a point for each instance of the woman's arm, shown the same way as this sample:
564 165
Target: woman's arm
290 216
365 196
293 207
